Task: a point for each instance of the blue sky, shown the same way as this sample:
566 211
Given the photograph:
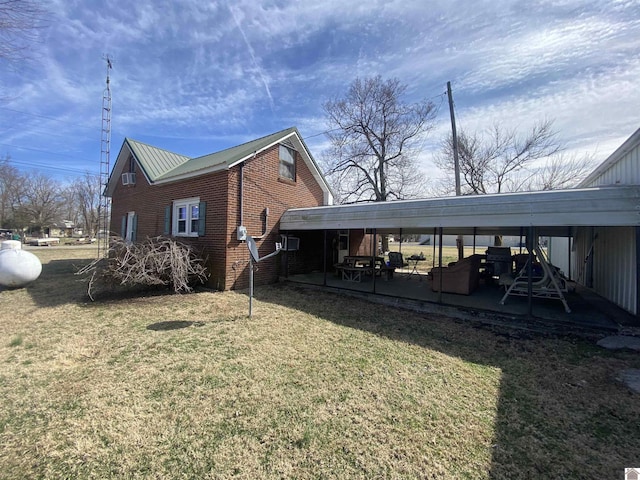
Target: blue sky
198 76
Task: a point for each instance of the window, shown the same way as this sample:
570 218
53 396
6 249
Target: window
186 217
129 226
287 162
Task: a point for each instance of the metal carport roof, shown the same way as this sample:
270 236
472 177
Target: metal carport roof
552 212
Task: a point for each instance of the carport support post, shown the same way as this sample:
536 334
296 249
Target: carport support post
374 254
440 263
520 242
324 257
474 240
433 260
569 241
637 270
530 245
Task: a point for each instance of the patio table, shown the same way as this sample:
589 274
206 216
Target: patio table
413 261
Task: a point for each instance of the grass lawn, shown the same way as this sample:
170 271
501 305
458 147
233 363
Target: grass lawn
313 386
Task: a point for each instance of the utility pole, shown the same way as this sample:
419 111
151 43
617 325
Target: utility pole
456 163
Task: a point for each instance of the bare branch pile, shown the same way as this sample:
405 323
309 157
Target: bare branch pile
154 261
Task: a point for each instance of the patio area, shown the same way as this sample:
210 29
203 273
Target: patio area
589 312
592 233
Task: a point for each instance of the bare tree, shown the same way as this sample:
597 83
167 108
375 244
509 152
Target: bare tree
375 138
86 194
499 160
560 171
41 204
502 160
70 209
20 21
11 190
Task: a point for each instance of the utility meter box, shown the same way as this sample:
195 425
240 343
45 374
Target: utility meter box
242 233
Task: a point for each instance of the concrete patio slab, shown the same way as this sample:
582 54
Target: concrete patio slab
631 378
590 313
617 342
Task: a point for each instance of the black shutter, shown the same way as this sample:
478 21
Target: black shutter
202 213
167 220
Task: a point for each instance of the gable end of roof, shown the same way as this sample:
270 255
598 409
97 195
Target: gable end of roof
161 166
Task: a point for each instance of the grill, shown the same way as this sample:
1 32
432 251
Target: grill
499 261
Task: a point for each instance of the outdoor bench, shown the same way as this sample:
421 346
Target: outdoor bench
351 273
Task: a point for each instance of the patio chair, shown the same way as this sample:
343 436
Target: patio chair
461 277
396 260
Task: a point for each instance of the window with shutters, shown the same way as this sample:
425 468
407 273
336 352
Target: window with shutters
186 217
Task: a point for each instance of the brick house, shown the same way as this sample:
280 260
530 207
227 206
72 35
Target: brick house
210 201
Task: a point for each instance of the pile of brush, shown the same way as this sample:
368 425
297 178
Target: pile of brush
155 261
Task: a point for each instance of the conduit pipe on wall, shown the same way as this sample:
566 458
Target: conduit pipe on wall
264 225
241 195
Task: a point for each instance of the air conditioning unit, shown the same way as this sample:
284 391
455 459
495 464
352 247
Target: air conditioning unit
290 244
128 178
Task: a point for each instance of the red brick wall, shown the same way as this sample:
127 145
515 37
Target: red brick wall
149 202
228 258
264 189
360 243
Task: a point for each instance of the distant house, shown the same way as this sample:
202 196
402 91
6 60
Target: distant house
60 228
213 201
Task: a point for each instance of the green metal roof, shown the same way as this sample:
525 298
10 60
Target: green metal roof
154 161
160 166
225 158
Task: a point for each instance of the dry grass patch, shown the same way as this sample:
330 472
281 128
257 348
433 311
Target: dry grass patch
313 386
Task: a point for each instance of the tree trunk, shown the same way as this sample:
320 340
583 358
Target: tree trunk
385 243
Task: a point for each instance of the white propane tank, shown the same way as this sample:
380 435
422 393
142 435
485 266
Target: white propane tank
10 245
18 267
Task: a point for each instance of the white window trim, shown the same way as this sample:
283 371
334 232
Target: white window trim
129 227
184 202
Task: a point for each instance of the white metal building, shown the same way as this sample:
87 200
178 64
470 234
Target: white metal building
605 258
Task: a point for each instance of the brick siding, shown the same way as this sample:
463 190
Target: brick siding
227 257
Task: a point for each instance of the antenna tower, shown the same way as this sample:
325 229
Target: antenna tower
105 170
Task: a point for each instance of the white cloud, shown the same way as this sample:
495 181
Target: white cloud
210 70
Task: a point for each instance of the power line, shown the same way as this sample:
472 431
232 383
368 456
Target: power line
46 117
42 151
321 133
35 131
46 167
